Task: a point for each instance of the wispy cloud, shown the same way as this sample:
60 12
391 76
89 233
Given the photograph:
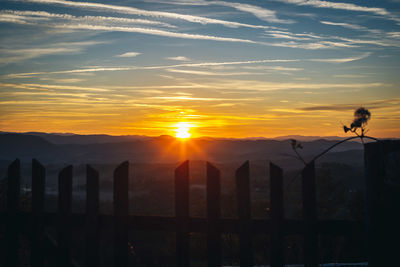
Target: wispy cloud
314 41
36 86
355 76
344 6
141 12
209 73
30 17
156 32
257 11
273 68
336 5
342 60
345 107
69 22
17 55
201 64
129 54
190 98
345 25
178 58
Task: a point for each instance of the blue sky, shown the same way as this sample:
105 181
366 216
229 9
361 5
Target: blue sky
228 68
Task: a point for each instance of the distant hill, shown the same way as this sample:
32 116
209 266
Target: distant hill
26 147
83 149
70 138
308 138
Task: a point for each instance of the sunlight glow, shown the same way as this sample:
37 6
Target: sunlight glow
182 130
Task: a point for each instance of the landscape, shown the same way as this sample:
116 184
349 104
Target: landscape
199 133
340 183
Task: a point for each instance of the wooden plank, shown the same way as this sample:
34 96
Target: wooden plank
38 189
374 183
382 199
182 214
13 207
244 214
277 216
121 211
92 217
310 216
213 215
64 216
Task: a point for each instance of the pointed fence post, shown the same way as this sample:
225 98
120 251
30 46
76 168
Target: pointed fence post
182 214
13 196
64 216
38 190
277 216
92 218
310 216
121 212
244 214
213 215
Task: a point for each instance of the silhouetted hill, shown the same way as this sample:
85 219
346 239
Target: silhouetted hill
163 149
26 147
303 138
68 138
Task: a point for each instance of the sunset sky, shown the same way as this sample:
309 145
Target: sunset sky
225 68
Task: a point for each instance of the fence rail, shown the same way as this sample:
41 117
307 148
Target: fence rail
34 222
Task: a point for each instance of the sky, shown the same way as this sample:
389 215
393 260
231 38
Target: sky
221 68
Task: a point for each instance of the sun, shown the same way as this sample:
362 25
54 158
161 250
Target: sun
182 130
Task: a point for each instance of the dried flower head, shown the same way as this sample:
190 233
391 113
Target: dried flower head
361 118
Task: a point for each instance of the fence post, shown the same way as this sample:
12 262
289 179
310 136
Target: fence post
382 201
64 210
92 212
310 216
13 196
277 216
213 215
182 214
374 172
244 214
38 189
121 212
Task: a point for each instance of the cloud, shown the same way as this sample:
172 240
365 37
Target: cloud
155 32
313 41
17 55
209 73
345 25
355 76
178 58
190 98
345 107
259 12
336 5
342 60
344 6
129 54
201 64
141 12
31 17
39 87
273 68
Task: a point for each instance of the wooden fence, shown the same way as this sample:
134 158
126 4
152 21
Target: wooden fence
58 252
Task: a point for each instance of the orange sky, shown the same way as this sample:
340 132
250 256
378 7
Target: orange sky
227 69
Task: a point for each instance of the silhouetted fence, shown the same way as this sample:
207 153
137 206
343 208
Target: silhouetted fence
383 199
382 165
58 252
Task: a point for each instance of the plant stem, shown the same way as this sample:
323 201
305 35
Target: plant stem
338 143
